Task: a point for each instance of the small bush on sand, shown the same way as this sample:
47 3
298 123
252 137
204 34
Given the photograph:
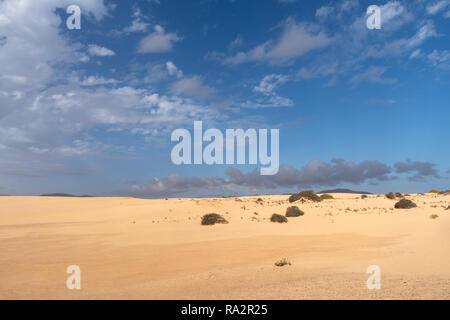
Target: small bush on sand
212 218
363 196
448 208
326 196
283 262
434 216
398 195
278 218
433 191
294 198
307 194
405 204
294 212
390 195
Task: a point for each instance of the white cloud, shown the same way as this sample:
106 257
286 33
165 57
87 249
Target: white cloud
95 50
372 75
437 6
95 81
236 43
269 83
173 70
192 86
440 59
268 97
324 11
158 41
295 41
416 53
137 24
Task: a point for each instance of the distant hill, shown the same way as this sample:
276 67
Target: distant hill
4 195
65 195
344 191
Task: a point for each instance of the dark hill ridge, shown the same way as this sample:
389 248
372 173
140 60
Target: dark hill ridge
65 195
344 191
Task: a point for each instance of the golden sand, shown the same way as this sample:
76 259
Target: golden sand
156 249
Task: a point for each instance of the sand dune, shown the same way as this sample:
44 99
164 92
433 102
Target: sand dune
156 249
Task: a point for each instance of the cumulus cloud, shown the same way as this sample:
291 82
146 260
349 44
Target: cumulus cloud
158 41
95 50
173 70
137 24
420 170
316 173
192 86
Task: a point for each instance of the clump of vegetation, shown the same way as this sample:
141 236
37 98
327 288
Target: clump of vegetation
448 208
278 218
405 204
307 194
433 191
434 216
398 195
294 212
326 196
390 195
363 196
259 200
213 218
283 262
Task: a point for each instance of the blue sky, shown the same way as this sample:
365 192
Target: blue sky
92 110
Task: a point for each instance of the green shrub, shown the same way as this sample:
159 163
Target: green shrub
398 195
390 195
307 194
212 218
294 198
405 204
326 196
278 218
294 212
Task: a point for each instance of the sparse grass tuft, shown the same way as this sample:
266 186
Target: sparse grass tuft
434 216
433 191
283 262
213 218
278 218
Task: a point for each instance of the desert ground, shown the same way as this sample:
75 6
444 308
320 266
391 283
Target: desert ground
131 248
